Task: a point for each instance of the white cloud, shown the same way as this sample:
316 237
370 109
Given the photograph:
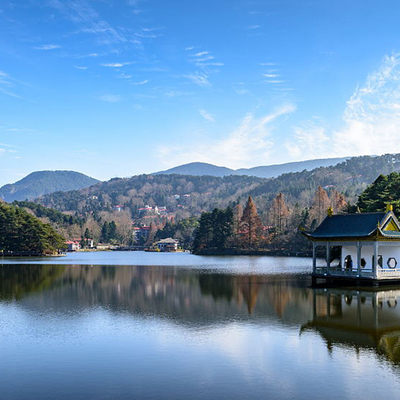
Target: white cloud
110 98
80 67
116 65
48 47
140 83
207 116
311 139
199 79
371 121
202 53
248 145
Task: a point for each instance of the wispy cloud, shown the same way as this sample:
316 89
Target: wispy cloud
141 82
80 67
3 152
47 47
203 59
200 54
116 65
7 84
248 145
110 98
370 122
199 79
135 6
207 116
89 21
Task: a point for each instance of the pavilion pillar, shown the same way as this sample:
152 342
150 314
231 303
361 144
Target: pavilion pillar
314 258
358 258
328 259
375 263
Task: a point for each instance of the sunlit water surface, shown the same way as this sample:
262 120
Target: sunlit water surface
134 325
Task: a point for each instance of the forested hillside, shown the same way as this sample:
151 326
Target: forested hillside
169 205
190 195
43 182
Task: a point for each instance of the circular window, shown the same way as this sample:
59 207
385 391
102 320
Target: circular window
391 262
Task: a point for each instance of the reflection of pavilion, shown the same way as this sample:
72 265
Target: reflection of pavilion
360 319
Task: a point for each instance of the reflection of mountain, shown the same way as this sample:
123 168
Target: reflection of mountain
367 319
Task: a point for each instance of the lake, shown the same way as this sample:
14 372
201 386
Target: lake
135 325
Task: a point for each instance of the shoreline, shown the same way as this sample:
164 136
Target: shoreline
237 252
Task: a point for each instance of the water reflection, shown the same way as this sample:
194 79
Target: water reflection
367 319
358 319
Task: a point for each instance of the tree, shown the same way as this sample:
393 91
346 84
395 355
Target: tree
250 225
280 212
320 206
215 229
105 233
338 202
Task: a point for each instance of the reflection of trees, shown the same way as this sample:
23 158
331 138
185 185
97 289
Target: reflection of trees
16 281
184 295
217 285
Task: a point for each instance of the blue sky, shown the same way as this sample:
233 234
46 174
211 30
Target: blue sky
118 88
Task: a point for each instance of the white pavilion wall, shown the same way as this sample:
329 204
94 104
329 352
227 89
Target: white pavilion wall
368 251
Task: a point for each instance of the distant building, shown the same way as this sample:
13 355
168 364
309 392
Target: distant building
167 245
141 232
89 243
73 245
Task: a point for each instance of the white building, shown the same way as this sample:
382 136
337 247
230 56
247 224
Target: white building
168 245
369 246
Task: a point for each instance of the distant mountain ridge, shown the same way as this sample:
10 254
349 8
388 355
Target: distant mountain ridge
40 183
266 171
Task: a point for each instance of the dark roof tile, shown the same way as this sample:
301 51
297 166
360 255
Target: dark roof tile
348 225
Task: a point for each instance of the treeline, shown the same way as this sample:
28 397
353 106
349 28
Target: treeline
242 229
22 232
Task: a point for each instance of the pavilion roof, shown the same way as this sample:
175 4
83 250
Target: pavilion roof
355 226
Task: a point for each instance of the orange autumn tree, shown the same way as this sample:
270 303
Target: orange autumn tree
321 203
250 226
280 213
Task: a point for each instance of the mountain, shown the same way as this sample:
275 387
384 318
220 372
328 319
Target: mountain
44 182
198 169
272 171
188 195
266 171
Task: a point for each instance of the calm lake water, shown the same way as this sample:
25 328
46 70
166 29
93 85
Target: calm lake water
133 325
